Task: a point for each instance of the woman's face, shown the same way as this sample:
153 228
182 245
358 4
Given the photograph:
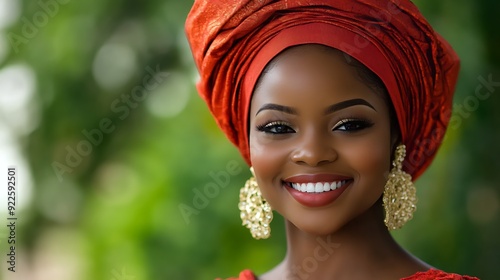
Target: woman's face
314 127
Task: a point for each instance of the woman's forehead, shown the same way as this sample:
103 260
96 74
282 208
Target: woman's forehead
311 72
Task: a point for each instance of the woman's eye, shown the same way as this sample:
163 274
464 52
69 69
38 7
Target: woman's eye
275 128
350 125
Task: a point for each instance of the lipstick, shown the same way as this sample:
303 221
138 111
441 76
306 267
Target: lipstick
316 190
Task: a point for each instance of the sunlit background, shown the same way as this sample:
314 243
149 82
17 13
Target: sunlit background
123 174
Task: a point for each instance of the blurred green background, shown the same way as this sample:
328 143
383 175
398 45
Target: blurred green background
112 187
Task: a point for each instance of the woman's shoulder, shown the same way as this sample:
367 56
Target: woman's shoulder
435 274
431 274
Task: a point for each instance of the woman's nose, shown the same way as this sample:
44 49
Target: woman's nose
314 150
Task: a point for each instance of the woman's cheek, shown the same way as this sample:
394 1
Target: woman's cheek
370 158
268 161
263 161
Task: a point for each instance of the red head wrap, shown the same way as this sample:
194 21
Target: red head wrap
233 40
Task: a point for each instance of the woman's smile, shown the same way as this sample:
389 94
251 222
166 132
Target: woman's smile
316 190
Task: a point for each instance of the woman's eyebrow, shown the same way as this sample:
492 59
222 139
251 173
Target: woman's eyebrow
276 107
348 103
333 108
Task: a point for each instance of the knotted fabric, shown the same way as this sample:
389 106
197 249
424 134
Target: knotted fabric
233 40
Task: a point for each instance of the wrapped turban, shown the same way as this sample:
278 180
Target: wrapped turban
233 40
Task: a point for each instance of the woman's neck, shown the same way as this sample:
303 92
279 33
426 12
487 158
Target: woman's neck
362 249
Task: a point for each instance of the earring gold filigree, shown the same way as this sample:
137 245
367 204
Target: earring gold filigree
256 213
400 195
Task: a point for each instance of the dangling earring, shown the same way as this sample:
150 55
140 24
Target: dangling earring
400 195
256 213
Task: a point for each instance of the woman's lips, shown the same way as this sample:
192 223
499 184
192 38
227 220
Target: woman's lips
316 190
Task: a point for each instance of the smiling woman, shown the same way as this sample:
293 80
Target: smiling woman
323 100
336 131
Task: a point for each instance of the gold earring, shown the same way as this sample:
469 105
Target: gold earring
256 213
400 195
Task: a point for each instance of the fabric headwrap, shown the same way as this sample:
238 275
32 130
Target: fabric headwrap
233 40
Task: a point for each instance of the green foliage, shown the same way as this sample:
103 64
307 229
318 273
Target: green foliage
131 205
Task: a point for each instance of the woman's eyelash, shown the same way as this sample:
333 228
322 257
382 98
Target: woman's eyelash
352 124
275 127
345 125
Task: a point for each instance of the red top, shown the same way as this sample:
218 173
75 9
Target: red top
431 274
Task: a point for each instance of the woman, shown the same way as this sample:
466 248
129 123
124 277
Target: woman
337 106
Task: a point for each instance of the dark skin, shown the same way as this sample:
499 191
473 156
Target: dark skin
352 140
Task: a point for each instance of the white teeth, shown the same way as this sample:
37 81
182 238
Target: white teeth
318 187
310 187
